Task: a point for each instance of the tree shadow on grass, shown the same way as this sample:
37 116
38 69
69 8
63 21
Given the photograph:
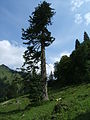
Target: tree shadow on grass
16 111
19 110
85 116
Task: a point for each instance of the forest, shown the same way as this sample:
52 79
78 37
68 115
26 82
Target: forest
31 95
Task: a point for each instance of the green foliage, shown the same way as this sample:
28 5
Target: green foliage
10 83
32 85
37 37
80 59
60 106
6 74
35 93
86 37
51 76
76 68
18 84
37 33
62 70
77 44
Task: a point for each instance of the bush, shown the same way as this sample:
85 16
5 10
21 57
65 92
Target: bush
59 107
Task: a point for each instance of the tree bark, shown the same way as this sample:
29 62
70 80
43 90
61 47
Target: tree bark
43 71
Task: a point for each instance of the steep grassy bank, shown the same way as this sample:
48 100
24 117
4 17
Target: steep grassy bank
74 104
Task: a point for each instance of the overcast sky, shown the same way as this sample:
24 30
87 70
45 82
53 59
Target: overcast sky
72 18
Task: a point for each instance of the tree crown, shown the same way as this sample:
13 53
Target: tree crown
37 33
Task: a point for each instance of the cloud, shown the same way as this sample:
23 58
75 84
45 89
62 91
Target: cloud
11 54
76 4
87 18
65 53
78 18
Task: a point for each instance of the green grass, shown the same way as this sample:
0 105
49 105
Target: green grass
74 105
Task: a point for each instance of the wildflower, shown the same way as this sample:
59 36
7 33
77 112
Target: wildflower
23 115
58 99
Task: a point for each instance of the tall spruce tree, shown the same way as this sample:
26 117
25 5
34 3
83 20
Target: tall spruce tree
86 37
51 76
77 44
38 37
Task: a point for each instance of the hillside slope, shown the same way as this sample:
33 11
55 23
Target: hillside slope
8 82
6 74
73 104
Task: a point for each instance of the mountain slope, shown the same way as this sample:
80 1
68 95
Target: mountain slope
10 83
6 74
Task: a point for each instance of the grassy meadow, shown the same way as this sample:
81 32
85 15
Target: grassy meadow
69 103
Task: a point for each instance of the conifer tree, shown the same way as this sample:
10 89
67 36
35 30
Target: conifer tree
51 76
77 44
38 37
86 37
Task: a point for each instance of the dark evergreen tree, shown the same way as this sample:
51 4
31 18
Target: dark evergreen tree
77 44
37 38
76 68
62 70
86 37
51 76
56 70
18 84
35 87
